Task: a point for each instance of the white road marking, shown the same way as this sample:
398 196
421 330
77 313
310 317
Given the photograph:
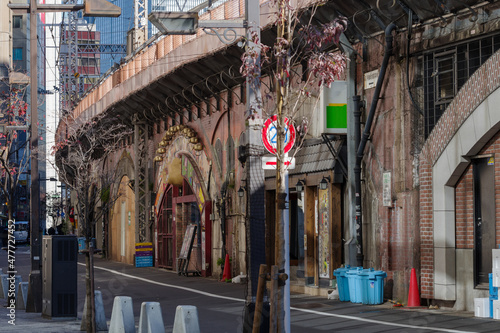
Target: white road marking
326 314
366 320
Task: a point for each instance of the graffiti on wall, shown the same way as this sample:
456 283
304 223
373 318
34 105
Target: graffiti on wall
324 234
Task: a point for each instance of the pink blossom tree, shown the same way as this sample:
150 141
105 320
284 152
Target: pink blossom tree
14 153
303 59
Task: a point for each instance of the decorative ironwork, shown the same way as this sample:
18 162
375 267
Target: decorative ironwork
103 48
228 36
141 187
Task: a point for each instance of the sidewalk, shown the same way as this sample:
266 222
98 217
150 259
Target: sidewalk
34 322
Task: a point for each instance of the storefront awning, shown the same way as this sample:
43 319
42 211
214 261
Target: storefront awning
314 157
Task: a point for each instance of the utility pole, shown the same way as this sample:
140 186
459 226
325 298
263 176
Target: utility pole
34 300
255 173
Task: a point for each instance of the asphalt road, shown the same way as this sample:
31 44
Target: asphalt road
221 305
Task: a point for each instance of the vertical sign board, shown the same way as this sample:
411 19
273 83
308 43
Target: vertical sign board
324 237
335 103
387 191
185 254
144 254
187 243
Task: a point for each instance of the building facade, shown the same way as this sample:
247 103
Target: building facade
15 67
411 187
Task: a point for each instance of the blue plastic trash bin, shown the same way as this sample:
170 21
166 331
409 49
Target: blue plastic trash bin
375 287
342 283
362 285
354 284
81 244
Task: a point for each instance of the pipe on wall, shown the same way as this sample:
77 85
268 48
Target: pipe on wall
362 140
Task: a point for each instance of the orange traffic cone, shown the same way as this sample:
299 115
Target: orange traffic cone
227 270
413 295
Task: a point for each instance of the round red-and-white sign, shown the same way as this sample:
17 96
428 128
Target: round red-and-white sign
269 134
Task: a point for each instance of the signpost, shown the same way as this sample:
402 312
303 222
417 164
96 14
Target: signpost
269 138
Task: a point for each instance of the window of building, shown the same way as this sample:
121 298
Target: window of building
18 54
444 78
17 20
441 73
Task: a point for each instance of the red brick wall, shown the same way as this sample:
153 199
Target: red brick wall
464 212
426 230
484 81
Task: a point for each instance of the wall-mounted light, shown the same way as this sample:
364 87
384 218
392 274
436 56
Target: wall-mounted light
300 185
323 184
241 191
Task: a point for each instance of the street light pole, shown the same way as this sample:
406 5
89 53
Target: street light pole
34 300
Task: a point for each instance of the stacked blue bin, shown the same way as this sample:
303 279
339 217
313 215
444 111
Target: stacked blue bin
493 293
81 244
376 287
360 285
355 292
342 283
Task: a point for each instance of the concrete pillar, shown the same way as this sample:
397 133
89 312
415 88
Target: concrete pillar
22 295
186 319
2 288
5 284
151 319
100 317
122 316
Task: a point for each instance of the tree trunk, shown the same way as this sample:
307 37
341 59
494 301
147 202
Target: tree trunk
89 288
281 205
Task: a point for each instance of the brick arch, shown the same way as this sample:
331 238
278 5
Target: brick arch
470 121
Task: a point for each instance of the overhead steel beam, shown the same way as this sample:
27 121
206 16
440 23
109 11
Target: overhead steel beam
19 8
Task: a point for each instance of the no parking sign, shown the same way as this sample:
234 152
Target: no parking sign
270 133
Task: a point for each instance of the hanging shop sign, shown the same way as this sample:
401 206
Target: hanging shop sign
335 112
270 131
